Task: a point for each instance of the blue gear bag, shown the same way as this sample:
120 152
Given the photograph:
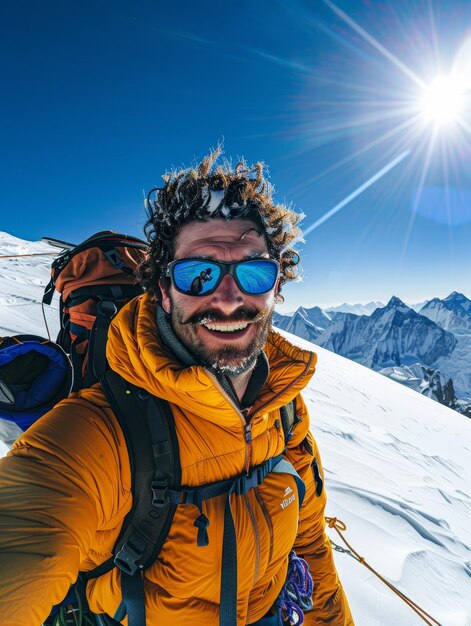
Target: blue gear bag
35 374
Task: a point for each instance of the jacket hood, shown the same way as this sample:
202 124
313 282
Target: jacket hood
136 351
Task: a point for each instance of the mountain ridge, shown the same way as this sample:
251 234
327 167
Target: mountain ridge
396 336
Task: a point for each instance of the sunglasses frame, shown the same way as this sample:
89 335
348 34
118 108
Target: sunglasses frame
226 268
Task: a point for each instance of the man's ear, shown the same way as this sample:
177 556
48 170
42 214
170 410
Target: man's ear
277 288
278 297
166 302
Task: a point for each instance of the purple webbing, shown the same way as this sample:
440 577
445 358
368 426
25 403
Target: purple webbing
295 597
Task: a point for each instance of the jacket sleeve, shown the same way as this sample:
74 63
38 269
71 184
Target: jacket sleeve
56 489
330 605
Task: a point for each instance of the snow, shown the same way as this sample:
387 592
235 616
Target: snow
397 469
398 474
216 197
22 282
357 309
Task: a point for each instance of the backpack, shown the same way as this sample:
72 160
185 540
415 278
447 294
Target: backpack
95 279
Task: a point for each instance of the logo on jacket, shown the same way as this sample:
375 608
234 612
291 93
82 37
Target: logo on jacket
288 498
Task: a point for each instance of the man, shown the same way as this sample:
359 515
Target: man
65 488
197 283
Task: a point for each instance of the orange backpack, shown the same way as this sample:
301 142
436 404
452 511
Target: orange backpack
95 279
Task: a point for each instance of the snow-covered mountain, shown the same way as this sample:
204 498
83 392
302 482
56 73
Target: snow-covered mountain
356 309
306 323
452 313
418 305
397 472
402 344
392 335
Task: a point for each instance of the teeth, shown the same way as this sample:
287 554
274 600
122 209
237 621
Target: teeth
227 328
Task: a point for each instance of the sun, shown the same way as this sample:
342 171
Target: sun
442 101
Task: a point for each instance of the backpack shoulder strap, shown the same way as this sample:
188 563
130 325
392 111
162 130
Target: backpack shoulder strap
149 429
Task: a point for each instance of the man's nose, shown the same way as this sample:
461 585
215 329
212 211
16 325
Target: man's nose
228 295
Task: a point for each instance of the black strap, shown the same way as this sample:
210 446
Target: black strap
154 468
106 620
239 485
288 419
228 599
97 364
76 364
132 588
49 291
121 292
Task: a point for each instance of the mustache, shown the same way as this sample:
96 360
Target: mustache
212 316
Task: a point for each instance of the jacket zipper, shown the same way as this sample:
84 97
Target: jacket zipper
247 427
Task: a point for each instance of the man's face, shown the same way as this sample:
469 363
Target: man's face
225 330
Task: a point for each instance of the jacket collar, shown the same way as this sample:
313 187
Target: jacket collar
149 355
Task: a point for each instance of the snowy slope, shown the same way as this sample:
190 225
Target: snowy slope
398 473
22 282
397 468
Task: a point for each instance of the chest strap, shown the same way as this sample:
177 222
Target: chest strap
238 486
133 599
228 599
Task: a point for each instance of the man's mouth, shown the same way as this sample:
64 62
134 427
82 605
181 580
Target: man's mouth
227 328
213 320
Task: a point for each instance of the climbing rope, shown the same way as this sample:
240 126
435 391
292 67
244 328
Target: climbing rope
75 614
15 256
340 527
296 595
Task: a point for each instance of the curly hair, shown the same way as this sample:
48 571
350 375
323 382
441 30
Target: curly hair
207 192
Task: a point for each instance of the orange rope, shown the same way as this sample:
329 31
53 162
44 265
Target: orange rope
340 526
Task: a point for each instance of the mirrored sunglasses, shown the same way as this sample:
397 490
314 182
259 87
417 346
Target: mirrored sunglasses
201 277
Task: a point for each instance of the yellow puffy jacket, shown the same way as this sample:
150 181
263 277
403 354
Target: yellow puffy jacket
65 490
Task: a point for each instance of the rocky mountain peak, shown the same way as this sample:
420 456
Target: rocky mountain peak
397 303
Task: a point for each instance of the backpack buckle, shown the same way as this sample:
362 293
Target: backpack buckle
244 483
128 557
107 309
160 497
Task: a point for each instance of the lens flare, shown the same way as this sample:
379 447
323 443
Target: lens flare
442 100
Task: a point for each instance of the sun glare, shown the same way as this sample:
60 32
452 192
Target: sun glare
426 120
442 100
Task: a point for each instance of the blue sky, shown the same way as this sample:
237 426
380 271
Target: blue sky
101 98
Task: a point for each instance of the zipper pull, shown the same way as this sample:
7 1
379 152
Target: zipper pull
248 439
248 432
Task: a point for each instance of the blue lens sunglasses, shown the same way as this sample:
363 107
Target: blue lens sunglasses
201 276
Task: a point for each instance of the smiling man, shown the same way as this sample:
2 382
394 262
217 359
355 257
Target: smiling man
201 338
227 326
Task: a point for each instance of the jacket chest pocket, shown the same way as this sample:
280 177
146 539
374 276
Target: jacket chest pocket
277 501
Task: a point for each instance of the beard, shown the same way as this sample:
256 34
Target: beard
233 359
